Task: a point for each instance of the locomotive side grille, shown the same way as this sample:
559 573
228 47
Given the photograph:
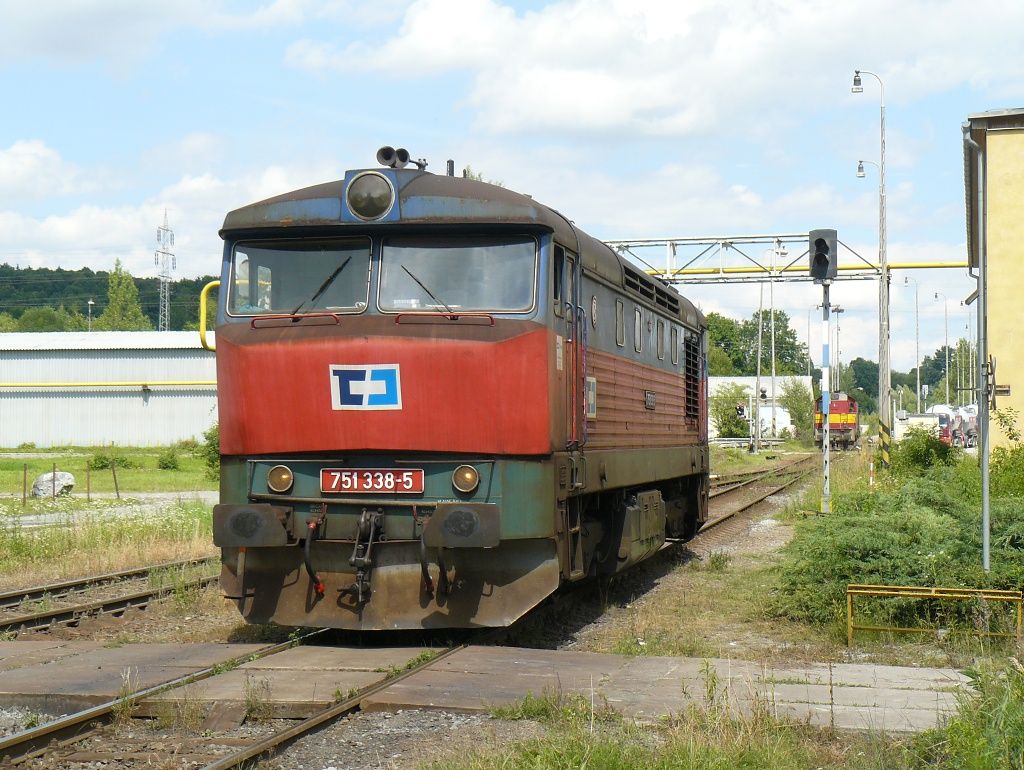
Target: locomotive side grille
643 286
667 301
638 283
691 364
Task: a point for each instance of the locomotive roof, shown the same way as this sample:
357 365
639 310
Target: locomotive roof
432 199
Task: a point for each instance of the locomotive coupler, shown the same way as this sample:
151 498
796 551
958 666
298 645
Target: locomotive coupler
369 530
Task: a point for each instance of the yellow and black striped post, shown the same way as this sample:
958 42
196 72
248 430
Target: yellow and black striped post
884 442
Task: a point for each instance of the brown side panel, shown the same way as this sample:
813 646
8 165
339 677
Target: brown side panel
623 419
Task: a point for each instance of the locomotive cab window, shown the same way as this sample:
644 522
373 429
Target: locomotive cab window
661 340
299 276
466 274
674 344
638 330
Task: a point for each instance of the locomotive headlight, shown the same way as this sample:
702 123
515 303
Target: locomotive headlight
280 479
465 478
370 195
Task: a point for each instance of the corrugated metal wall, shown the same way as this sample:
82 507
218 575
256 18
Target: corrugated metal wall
125 415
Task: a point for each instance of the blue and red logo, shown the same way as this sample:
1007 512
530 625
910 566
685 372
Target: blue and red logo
366 386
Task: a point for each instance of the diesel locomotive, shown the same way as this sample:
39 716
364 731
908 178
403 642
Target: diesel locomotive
843 421
440 401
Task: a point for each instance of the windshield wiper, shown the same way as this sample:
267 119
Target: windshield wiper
323 286
428 291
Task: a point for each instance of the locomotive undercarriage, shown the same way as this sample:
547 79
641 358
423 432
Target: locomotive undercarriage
433 563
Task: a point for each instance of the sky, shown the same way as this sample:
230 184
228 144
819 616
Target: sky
636 119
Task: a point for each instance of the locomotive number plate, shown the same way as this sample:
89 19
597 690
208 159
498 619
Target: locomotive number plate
361 480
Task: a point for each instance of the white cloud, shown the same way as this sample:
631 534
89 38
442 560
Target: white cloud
668 68
123 31
96 235
30 169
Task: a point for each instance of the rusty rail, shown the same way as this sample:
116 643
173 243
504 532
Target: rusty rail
930 592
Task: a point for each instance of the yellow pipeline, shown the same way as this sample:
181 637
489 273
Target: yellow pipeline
203 298
803 268
129 384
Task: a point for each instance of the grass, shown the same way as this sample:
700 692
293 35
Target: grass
148 476
709 737
125 706
726 460
423 657
92 543
257 693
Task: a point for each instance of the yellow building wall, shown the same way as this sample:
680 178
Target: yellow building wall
1005 280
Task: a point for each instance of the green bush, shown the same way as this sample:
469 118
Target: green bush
189 446
923 531
988 728
168 460
919 450
209 450
102 461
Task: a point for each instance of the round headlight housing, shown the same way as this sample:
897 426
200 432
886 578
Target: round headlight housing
465 478
370 195
280 479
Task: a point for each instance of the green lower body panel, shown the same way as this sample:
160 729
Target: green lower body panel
486 587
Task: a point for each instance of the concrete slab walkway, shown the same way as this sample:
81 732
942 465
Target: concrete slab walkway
57 677
846 696
61 677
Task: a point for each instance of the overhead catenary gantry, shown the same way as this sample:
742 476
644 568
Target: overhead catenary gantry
747 259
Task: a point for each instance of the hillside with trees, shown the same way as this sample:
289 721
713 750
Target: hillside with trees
54 299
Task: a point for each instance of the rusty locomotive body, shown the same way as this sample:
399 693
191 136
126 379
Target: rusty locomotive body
439 401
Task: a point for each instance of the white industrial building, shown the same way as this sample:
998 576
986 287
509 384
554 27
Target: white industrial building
96 388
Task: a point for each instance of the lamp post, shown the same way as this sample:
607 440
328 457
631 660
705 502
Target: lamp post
945 311
837 310
917 337
884 376
90 303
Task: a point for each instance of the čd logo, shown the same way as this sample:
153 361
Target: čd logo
366 386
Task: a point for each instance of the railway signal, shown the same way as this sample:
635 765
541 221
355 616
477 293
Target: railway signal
823 249
824 254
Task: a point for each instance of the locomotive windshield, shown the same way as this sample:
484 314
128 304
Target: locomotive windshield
300 276
481 274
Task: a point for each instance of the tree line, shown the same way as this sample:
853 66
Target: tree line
54 300
732 351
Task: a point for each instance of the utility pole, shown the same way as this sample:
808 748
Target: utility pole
757 386
164 259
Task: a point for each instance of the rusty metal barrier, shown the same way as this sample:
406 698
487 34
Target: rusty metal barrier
919 592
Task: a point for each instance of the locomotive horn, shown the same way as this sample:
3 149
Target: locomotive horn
389 156
386 156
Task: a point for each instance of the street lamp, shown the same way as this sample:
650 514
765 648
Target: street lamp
884 376
917 337
90 303
945 307
836 309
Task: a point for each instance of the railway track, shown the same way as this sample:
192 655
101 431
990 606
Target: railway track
58 743
61 738
59 735
13 604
